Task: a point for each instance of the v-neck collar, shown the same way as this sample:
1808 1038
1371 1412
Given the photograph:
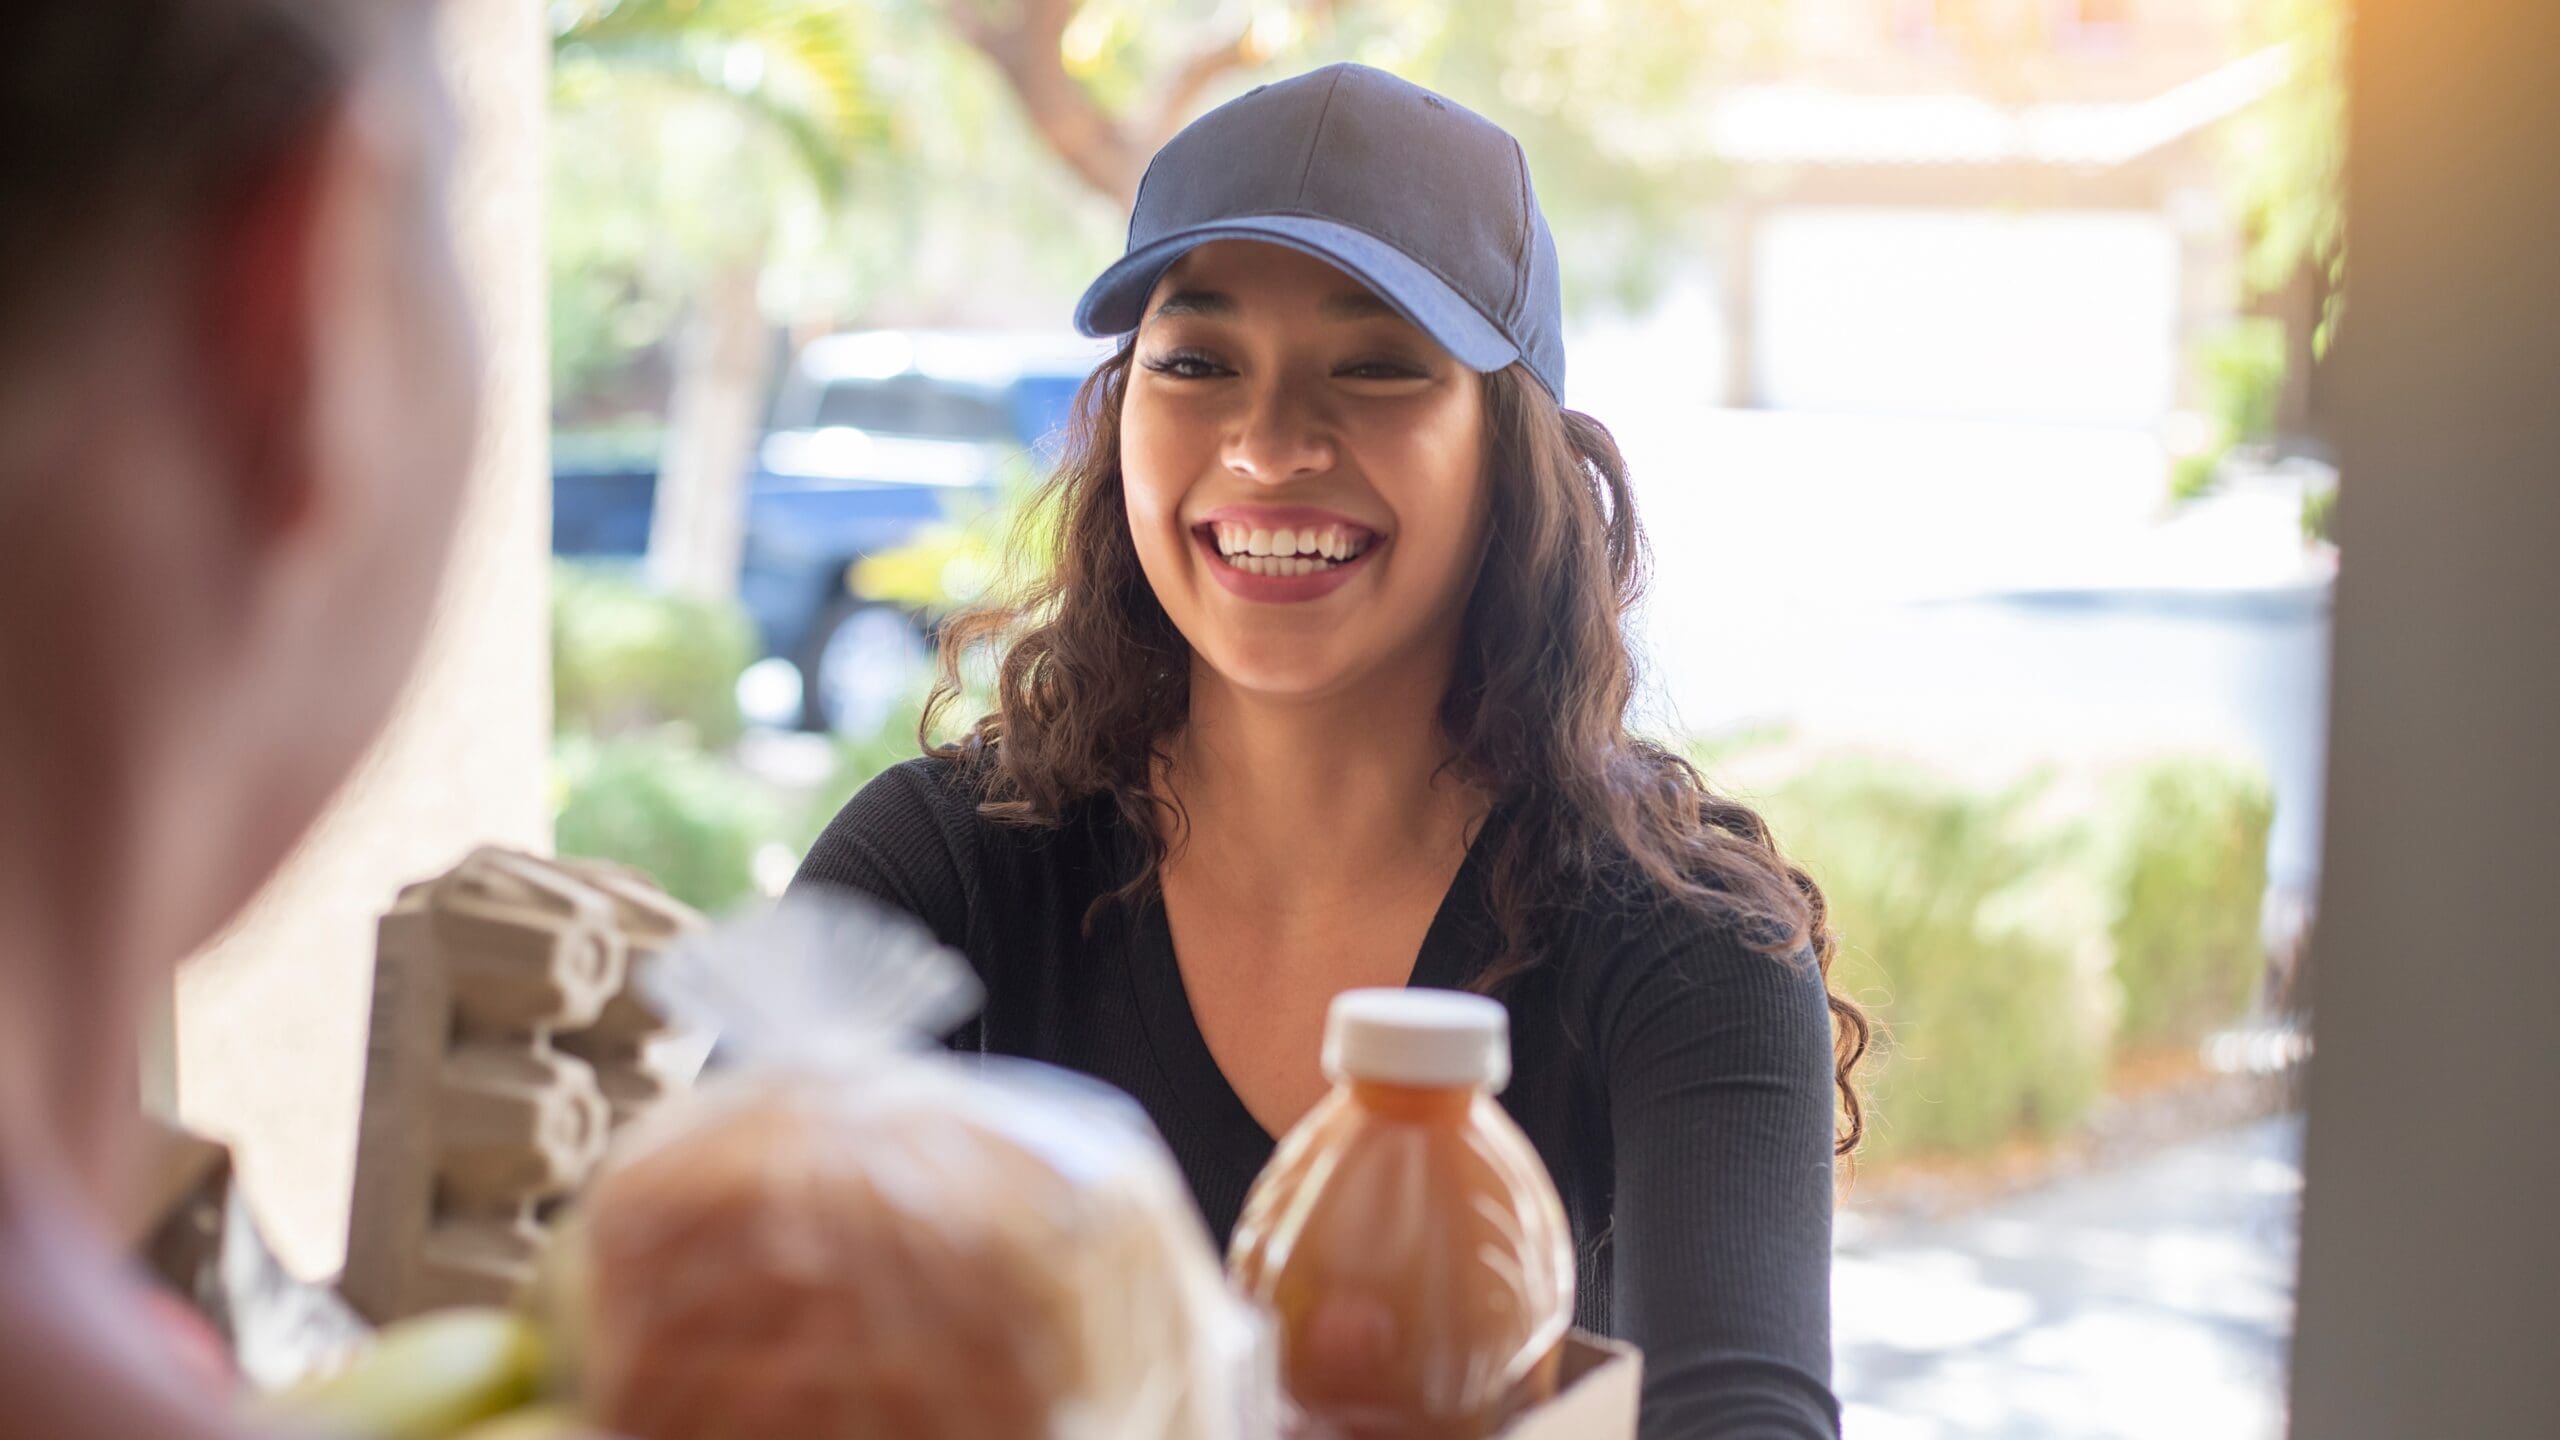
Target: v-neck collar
1457 945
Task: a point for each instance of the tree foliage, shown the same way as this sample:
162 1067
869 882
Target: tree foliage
689 135
1608 99
971 161
2289 157
792 65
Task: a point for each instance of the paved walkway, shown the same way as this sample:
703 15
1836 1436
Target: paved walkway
2155 1300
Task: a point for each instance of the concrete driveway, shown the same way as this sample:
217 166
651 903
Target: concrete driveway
2151 1300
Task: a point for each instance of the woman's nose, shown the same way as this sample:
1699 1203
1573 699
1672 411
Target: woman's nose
1280 436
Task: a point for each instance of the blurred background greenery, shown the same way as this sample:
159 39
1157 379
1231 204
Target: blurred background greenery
646 751
2020 939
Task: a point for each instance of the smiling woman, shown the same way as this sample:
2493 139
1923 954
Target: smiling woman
1326 689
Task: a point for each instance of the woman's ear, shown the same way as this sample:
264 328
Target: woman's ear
257 330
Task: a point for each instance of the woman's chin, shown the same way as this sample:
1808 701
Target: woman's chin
1282 672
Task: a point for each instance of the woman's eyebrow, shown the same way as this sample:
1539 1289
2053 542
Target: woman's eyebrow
1349 305
1358 305
1196 302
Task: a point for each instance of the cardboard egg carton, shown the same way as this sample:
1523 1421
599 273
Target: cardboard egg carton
507 1045
1598 1386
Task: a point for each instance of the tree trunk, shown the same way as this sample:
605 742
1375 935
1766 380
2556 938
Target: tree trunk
1108 152
714 421
1740 276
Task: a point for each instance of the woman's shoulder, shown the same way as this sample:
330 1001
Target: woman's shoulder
912 835
952 791
1637 947
928 800
1632 918
920 834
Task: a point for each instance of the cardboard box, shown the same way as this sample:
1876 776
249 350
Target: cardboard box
1597 1389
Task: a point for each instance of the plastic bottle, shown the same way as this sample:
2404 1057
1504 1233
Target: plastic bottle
1405 1236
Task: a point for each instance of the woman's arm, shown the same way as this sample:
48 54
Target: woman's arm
1718 1070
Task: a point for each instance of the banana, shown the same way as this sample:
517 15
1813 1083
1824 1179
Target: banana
542 1422
423 1379
557 1300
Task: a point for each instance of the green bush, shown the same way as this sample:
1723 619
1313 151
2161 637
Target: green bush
626 658
857 760
2241 368
2190 877
1964 923
2320 514
692 820
2191 476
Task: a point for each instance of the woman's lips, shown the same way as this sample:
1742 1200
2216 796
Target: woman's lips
1279 589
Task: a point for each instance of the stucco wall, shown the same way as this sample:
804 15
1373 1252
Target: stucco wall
271 1021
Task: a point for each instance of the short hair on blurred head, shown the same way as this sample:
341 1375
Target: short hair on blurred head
121 119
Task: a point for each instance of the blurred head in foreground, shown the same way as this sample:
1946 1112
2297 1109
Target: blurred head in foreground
237 387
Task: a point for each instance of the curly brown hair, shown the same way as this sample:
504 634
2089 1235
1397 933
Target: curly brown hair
1094 684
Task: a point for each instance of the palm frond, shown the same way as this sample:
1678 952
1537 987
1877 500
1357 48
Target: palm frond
793 66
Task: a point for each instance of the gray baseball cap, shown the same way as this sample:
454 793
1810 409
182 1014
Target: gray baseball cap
1417 197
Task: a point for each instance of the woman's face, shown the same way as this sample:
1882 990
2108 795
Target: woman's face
1304 472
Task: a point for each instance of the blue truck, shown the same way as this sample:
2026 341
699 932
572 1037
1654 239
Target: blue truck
873 435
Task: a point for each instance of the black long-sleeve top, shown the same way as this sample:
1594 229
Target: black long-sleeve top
1676 1081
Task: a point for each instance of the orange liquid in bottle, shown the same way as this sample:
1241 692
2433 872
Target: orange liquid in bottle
1406 1237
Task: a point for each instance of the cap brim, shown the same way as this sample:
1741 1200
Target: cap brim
1117 300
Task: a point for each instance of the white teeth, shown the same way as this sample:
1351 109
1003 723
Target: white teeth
1292 551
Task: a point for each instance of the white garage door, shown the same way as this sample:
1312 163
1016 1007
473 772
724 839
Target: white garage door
2060 316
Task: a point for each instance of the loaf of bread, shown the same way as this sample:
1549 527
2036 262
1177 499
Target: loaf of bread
928 1251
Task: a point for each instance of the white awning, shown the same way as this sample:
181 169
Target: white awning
1808 125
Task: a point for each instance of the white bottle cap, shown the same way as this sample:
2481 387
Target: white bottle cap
1417 1037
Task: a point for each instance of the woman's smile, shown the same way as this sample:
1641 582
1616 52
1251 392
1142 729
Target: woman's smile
1283 554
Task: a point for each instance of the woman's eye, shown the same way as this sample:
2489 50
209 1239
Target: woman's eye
1381 370
1185 365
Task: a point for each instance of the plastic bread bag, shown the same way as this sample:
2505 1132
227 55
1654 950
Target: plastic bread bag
850 1234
